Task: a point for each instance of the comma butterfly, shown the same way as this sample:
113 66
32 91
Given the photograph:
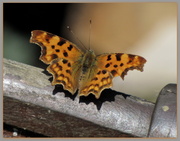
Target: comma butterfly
75 69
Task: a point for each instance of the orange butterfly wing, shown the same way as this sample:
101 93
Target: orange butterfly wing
63 57
109 66
66 62
118 64
53 46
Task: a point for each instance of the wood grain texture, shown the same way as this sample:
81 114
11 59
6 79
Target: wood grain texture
51 123
31 85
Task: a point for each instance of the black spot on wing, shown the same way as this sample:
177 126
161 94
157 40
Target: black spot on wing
129 61
108 57
107 65
57 50
65 54
68 71
131 58
52 46
54 56
114 72
70 47
47 40
104 71
118 56
61 42
64 61
56 62
69 65
60 67
121 64
99 72
48 36
96 85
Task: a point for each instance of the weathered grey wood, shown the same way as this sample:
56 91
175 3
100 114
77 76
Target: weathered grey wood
51 123
29 84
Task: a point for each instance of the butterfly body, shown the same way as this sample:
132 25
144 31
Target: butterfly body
75 69
88 64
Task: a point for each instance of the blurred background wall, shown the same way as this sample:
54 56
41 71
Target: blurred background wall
145 29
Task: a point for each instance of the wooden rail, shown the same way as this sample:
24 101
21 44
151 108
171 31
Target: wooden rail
31 103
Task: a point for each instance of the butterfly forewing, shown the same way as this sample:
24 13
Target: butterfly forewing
119 63
53 46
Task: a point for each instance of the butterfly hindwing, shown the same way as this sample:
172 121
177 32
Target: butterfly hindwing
101 80
63 73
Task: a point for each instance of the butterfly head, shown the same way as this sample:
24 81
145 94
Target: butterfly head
90 52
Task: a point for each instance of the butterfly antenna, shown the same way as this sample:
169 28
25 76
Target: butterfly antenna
75 36
90 22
